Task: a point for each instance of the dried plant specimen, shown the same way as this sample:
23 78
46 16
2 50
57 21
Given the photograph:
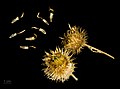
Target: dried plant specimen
27 47
44 20
17 18
31 38
51 14
15 34
40 29
76 38
59 65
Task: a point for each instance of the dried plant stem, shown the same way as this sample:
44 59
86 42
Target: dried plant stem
74 77
93 49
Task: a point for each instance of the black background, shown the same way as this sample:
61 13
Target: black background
23 67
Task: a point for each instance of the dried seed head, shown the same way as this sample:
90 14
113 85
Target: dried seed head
75 39
59 65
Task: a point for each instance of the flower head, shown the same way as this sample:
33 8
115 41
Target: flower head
59 65
75 39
